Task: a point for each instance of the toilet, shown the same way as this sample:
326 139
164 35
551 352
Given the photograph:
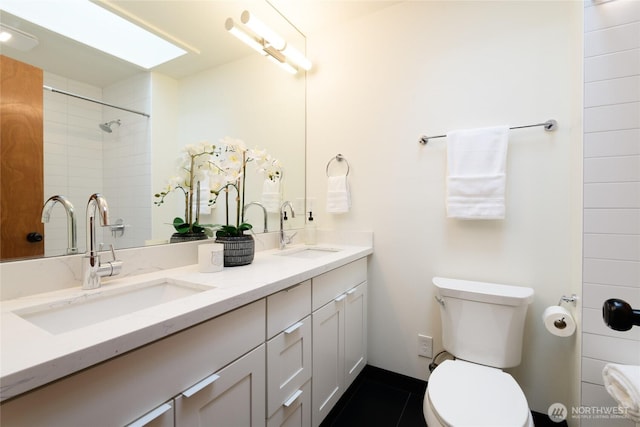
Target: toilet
482 327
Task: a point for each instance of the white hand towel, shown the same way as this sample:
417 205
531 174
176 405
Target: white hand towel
271 195
205 194
623 384
476 162
338 194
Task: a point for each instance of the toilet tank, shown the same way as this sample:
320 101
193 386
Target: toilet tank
483 322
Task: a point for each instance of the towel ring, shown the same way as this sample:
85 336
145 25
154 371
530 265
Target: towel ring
339 158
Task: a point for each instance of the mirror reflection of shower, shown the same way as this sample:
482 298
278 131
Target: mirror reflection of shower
107 126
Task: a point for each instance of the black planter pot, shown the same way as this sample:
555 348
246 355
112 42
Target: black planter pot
238 250
187 237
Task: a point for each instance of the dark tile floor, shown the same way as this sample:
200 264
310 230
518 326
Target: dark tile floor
380 398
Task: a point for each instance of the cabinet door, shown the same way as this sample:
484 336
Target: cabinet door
288 363
234 396
162 416
295 411
355 332
328 358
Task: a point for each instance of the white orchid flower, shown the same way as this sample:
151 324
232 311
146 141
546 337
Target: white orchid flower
259 156
234 144
232 160
216 182
233 175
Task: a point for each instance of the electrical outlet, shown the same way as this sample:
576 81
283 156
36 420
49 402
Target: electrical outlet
425 346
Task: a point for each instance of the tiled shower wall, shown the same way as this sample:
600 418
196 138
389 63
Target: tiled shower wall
72 155
80 159
127 161
611 236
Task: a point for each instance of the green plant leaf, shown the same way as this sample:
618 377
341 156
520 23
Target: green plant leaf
180 226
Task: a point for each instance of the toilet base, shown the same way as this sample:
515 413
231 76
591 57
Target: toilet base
433 421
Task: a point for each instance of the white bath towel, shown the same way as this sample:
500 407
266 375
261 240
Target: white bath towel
476 163
271 195
623 384
338 194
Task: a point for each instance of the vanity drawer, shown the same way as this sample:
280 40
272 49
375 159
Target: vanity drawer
287 307
288 364
296 411
333 283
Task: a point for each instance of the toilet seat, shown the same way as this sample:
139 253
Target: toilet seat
466 394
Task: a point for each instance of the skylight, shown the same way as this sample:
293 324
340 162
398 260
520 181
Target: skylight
90 24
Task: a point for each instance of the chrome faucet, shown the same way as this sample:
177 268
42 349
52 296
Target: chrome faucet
92 269
72 239
284 239
264 212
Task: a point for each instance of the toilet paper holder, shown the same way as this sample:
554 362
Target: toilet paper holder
572 299
561 323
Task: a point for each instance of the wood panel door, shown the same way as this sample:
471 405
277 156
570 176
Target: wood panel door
21 159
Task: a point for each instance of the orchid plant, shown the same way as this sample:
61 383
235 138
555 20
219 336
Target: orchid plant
224 168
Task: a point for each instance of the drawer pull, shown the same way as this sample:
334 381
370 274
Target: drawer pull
351 291
292 399
293 328
340 298
199 386
140 422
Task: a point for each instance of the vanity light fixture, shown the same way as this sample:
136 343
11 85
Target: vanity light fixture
261 29
17 39
244 37
267 42
88 23
282 63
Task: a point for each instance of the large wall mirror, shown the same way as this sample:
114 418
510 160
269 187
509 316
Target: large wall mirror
219 88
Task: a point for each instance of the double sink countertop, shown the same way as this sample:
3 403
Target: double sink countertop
31 355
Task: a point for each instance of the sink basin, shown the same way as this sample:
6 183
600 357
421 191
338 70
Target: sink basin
73 313
308 252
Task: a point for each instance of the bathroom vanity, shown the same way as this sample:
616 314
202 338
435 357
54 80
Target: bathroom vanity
276 342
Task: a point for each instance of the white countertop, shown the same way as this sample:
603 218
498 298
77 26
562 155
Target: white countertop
31 357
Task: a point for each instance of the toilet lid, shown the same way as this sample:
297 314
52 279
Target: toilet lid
466 394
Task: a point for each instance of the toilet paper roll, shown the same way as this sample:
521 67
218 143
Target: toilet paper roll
559 321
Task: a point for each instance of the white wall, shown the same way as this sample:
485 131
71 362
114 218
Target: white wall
611 190
418 68
164 98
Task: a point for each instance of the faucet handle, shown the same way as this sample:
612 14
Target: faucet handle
114 266
289 239
113 252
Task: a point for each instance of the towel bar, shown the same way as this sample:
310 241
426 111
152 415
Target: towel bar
549 126
338 157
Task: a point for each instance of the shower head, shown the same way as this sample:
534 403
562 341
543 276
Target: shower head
107 126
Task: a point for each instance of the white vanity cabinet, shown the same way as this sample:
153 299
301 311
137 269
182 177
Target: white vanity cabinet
339 334
289 357
125 388
280 361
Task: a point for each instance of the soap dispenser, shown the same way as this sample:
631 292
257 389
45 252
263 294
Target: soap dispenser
310 231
